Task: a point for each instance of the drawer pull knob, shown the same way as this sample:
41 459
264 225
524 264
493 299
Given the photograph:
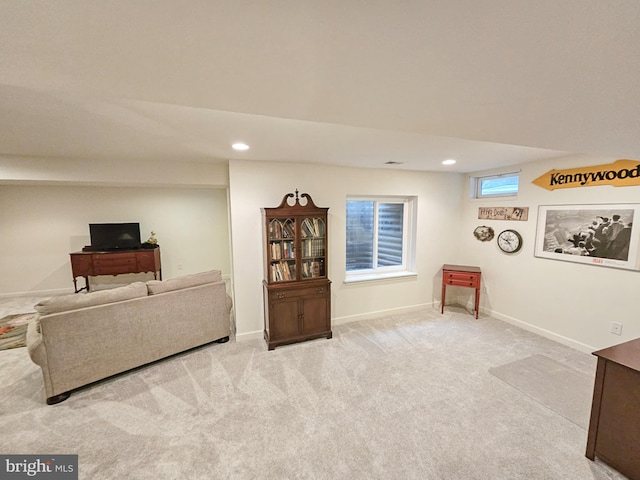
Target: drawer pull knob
320 290
280 295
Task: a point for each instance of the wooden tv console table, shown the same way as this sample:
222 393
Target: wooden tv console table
614 429
90 263
461 276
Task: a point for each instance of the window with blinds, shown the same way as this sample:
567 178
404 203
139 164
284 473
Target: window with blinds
377 235
390 232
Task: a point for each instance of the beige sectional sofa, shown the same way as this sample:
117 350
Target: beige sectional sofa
82 338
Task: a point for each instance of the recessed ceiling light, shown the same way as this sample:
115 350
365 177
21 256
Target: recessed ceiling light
451 161
240 146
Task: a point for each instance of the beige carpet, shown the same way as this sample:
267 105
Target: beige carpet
401 397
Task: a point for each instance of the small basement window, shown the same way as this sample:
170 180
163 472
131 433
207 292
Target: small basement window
497 185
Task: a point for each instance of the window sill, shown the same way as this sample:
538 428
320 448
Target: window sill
369 277
508 196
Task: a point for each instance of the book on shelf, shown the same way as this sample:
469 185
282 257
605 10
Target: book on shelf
279 229
283 271
289 250
275 229
313 268
282 250
275 251
312 227
313 247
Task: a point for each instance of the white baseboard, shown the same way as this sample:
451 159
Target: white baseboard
378 313
498 316
542 332
38 293
240 337
256 335
243 337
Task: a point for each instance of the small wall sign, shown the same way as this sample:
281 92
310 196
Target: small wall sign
621 173
503 213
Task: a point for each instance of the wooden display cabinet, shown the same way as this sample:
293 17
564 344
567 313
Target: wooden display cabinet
297 291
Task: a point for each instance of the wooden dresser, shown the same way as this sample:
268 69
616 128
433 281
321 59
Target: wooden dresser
88 263
614 428
461 276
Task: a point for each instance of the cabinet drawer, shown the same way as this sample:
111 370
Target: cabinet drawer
114 258
298 292
113 264
462 279
114 269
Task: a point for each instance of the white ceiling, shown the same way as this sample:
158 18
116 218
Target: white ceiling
490 83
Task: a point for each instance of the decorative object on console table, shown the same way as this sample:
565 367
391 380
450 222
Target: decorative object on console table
151 241
90 263
614 428
297 292
461 276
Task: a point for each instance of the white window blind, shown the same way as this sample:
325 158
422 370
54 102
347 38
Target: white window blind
378 235
390 234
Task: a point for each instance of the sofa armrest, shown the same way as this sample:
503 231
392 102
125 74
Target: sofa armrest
34 340
38 352
229 303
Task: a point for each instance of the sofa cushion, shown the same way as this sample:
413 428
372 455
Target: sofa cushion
76 301
156 286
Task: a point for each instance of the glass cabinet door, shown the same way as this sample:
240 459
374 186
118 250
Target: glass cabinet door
313 247
282 250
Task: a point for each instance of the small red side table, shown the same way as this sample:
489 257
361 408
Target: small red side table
461 276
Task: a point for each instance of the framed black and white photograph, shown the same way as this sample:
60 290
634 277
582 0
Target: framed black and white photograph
602 235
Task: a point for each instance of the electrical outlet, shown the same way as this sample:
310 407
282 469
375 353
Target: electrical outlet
179 266
616 328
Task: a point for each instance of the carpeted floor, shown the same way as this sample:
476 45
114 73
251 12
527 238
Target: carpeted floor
401 397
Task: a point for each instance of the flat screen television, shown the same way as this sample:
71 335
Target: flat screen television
115 236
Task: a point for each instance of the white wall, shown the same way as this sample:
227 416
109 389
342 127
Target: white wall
111 172
263 184
571 303
42 224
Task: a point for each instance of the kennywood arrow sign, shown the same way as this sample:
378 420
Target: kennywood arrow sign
621 173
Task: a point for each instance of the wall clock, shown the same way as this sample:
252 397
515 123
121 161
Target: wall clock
509 241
